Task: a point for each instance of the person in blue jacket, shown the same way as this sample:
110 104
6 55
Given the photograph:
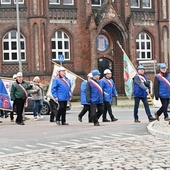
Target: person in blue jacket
86 105
140 91
162 91
61 92
94 96
109 91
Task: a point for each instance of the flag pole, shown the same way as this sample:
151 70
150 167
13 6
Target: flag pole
68 71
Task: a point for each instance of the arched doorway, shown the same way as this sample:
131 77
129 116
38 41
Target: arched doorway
104 63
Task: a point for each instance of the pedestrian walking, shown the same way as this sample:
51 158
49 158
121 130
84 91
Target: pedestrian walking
86 105
61 92
140 91
94 96
162 91
19 95
109 91
37 96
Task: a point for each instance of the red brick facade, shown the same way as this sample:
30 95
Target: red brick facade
83 23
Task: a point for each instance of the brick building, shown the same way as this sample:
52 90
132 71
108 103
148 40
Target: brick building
86 33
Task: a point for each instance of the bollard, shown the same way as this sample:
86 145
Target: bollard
114 101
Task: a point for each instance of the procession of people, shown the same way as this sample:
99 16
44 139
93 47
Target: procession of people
96 95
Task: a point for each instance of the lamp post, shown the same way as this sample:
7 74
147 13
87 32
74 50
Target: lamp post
18 38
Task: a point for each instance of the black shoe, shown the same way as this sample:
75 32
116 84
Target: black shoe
58 122
52 121
64 123
90 121
96 124
80 118
136 121
0 121
106 120
156 115
151 119
114 119
20 123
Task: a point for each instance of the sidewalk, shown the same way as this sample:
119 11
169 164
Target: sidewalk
159 129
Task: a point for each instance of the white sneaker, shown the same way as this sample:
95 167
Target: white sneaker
40 116
35 118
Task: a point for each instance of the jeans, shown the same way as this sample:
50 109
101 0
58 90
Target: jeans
39 104
164 107
96 111
146 105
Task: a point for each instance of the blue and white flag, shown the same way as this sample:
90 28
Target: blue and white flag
5 101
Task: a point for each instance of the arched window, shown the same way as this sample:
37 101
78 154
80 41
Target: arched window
60 45
143 46
10 47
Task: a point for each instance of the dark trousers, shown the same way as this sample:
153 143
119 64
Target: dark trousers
96 111
62 111
19 104
107 108
54 110
146 105
86 108
164 107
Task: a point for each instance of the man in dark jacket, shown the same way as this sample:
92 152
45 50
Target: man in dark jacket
140 92
162 91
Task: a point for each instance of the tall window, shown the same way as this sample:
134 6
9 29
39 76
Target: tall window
10 47
65 2
141 4
96 2
60 45
143 46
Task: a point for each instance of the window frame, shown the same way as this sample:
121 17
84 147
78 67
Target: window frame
68 4
141 5
3 3
18 2
11 51
63 50
97 5
54 3
145 50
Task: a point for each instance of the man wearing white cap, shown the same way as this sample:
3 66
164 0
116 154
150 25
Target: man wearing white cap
86 105
109 91
61 91
162 91
19 95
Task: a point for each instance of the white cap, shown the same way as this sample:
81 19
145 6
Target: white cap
107 71
19 74
61 69
90 75
14 76
36 79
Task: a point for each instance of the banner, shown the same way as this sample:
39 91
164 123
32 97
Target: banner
5 101
129 73
71 76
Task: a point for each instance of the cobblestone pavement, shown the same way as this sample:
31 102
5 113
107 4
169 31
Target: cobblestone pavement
135 153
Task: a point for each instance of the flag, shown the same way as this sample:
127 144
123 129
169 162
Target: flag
71 76
5 100
129 73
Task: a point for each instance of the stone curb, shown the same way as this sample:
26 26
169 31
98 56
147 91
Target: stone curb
157 129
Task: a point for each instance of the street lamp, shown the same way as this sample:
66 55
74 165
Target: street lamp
18 38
